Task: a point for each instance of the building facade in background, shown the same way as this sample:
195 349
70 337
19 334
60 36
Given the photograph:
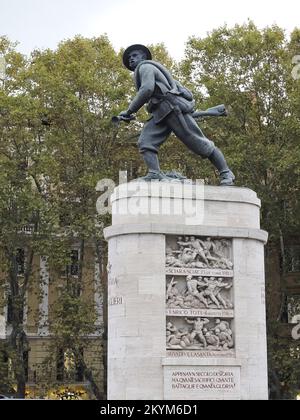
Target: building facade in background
62 377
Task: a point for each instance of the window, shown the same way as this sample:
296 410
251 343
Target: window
65 218
68 210
4 367
68 368
25 361
14 305
72 268
71 273
60 365
20 259
7 372
74 287
9 309
292 258
293 308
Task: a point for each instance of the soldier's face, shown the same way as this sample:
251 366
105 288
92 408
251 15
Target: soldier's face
135 57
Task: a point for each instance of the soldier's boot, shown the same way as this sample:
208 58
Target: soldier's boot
217 158
151 160
155 176
154 172
227 178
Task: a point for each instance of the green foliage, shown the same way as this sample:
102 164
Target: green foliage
284 364
57 142
250 71
73 320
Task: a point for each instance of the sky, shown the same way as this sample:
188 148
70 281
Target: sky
44 23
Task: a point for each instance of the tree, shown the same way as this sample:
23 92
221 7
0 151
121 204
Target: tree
79 87
57 143
21 203
250 70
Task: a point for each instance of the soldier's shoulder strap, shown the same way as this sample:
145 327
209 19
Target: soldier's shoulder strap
173 88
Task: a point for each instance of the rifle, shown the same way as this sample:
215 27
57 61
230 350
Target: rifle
216 111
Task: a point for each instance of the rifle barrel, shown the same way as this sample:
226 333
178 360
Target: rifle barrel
216 111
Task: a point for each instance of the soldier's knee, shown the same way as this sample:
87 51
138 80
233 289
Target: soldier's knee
202 146
144 149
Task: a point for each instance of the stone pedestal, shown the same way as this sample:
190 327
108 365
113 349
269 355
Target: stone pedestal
170 337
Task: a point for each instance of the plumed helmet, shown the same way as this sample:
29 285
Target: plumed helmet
132 48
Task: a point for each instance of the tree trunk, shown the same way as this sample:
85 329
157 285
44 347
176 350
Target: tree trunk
283 259
18 340
88 374
19 346
101 252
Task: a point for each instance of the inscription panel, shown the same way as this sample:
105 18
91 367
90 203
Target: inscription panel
201 382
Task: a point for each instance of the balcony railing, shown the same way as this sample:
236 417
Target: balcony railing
27 229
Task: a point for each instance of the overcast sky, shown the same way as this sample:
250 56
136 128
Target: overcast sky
44 23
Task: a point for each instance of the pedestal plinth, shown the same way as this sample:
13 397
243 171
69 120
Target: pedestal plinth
186 293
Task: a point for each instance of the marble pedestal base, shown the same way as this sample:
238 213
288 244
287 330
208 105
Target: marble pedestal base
156 326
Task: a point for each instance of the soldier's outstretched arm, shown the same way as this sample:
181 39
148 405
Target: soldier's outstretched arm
146 90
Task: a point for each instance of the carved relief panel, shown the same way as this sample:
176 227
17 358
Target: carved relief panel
199 295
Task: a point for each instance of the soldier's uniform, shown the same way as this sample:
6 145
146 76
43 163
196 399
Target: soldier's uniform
171 106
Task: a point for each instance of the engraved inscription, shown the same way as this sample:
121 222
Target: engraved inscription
193 382
115 300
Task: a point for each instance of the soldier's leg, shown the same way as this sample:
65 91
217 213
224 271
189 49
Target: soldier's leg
221 300
151 160
193 335
202 339
151 138
202 299
187 130
214 300
218 160
202 255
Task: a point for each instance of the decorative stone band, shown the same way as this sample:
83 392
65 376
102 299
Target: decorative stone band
207 313
184 204
182 271
189 359
185 190
214 231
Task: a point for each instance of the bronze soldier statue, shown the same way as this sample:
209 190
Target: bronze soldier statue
171 106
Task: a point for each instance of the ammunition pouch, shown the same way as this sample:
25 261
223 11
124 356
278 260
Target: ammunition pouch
160 106
186 106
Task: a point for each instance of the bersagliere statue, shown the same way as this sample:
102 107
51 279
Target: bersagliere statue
171 106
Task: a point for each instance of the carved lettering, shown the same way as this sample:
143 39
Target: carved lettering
210 313
198 272
210 380
115 300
